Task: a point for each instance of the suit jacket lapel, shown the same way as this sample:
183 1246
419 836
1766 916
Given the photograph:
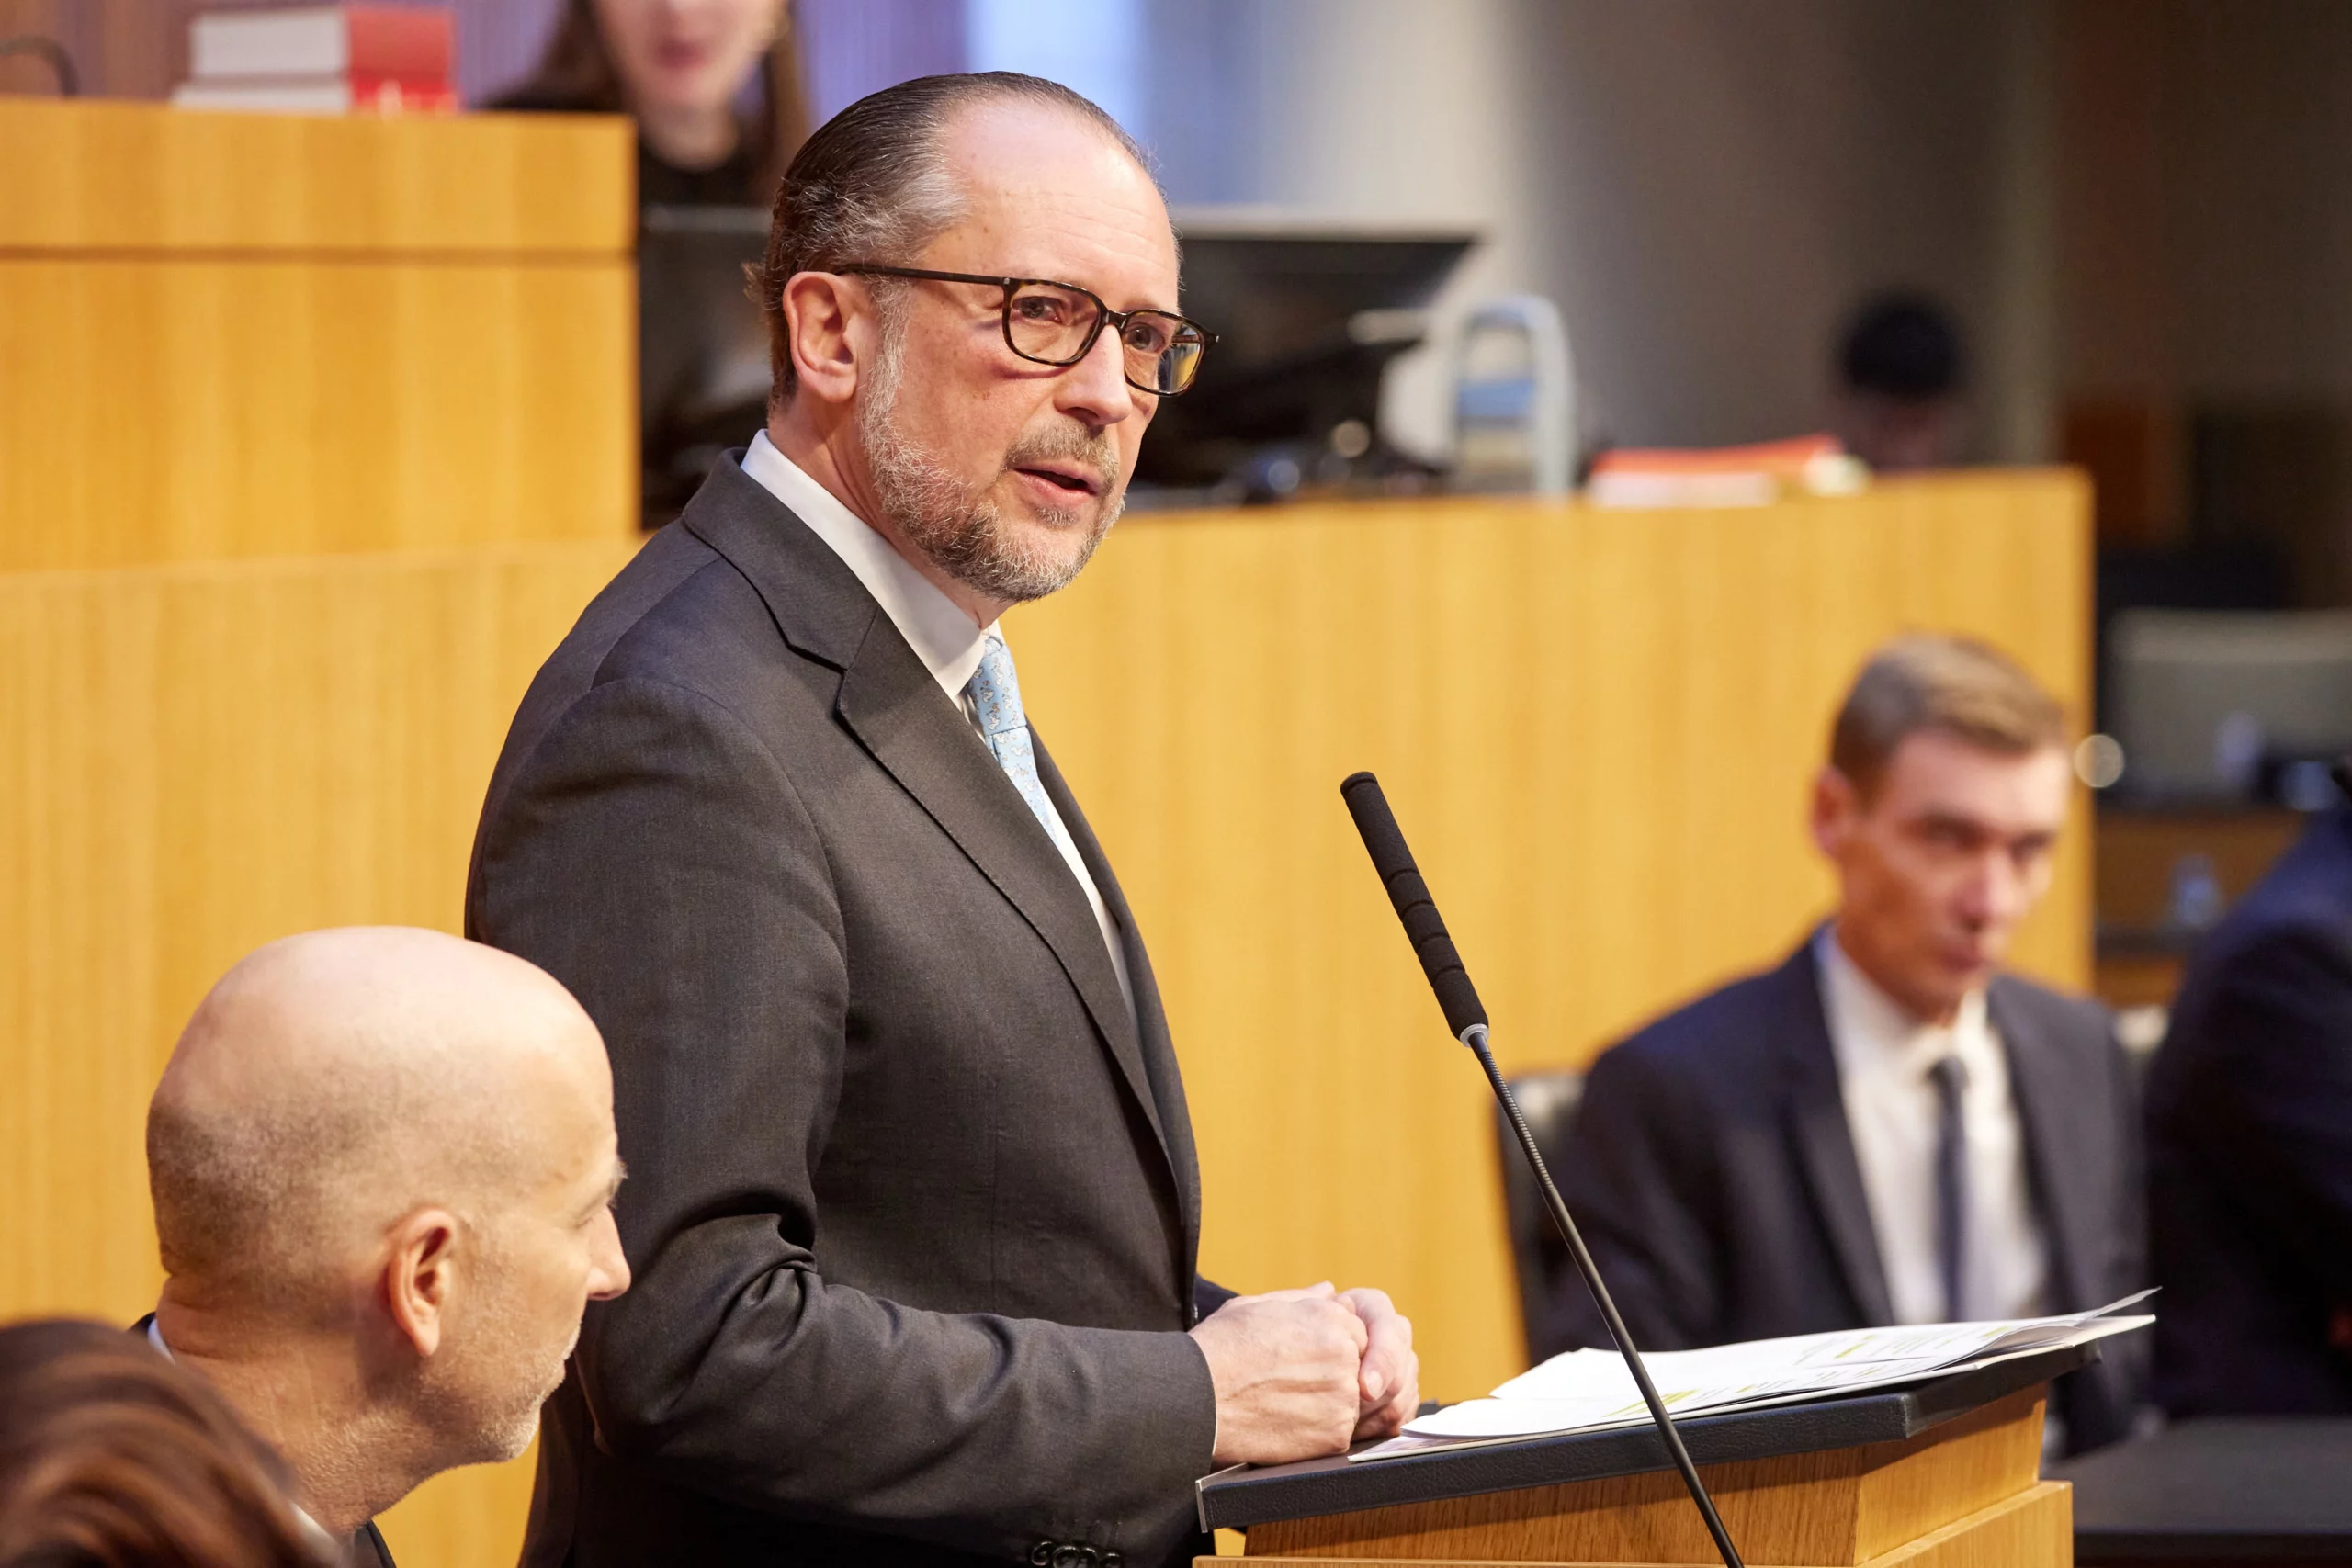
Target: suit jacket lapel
890 701
1157 1055
2038 1082
1825 1145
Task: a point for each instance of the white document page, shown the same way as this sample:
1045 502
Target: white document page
1592 1390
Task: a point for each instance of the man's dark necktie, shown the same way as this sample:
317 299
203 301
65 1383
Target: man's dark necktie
1951 1076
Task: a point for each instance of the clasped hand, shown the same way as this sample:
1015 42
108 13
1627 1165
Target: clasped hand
1301 1373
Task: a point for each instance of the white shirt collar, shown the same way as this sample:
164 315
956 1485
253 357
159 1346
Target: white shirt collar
942 635
318 1531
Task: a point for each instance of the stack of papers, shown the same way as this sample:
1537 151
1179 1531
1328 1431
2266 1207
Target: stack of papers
1590 1391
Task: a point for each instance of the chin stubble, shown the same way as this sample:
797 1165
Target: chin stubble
957 527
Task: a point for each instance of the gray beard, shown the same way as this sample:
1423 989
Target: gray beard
953 524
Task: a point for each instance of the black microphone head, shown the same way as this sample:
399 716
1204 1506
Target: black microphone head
1384 841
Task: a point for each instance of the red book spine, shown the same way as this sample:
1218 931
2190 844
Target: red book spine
414 45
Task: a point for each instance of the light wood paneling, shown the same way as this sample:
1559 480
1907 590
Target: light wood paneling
1598 729
2033 1530
228 335
156 410
1837 1507
195 760
88 175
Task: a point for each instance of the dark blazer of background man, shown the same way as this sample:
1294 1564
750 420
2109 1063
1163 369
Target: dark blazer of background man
912 1201
1766 1160
2250 1149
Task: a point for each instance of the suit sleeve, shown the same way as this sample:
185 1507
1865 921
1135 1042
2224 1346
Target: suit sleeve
653 856
1630 1184
2279 1100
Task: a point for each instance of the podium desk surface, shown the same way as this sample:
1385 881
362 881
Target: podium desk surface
2223 1489
1235 1498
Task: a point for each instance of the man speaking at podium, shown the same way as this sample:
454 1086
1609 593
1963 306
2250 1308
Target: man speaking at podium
913 1209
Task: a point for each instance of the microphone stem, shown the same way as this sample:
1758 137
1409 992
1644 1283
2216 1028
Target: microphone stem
1475 1038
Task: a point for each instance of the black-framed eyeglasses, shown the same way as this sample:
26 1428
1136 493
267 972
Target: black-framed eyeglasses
1057 324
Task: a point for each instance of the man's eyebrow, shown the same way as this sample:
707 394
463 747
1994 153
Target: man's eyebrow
611 1189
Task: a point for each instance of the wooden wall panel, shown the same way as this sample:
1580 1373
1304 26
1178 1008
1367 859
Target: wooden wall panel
156 409
195 760
1598 729
90 174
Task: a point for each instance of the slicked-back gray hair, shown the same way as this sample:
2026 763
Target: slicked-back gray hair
872 186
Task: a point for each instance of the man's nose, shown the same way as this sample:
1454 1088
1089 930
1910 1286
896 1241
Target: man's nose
1095 389
1994 893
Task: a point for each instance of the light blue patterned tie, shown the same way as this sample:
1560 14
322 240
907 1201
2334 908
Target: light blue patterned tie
995 691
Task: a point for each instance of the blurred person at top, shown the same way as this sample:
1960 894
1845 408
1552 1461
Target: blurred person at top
683 70
1901 373
714 87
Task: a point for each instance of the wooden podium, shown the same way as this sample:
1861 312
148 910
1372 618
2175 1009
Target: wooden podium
1942 1475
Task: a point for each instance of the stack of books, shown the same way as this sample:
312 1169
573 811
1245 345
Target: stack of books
1726 476
339 59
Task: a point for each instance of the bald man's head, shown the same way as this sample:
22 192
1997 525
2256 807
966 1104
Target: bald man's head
396 1147
333 1080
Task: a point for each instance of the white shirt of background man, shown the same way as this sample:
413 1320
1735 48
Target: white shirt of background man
1883 1056
943 637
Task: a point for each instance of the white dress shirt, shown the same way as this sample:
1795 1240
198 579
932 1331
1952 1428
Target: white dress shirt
948 640
1883 1058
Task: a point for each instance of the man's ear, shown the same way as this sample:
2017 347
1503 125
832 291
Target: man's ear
421 1276
1835 804
829 316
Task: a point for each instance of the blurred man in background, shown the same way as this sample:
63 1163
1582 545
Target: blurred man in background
384 1165
2250 1148
1885 1129
1900 376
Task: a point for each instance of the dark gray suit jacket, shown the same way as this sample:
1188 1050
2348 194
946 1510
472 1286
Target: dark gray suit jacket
912 1206
1713 1174
2250 1149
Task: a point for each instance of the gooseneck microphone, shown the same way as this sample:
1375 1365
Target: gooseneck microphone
1467 1018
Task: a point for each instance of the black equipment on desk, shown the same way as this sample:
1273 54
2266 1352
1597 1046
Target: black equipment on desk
1466 1016
2217 1489
1308 314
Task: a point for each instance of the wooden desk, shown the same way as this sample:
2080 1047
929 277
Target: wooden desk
227 334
